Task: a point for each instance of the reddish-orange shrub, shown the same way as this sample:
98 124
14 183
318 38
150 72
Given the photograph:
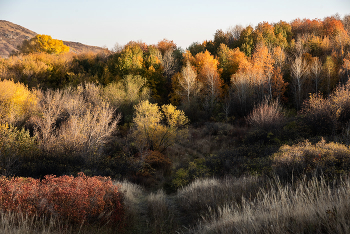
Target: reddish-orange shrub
76 199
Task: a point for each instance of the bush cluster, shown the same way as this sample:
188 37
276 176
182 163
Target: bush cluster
74 199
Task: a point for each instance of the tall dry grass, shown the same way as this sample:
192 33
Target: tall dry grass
312 206
194 200
14 223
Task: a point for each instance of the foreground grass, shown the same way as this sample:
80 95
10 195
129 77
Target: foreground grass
230 205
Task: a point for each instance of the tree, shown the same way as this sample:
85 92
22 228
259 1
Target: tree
157 128
316 68
279 56
329 70
234 33
346 67
243 87
169 64
188 80
299 69
263 69
126 93
43 43
229 61
208 76
166 45
17 102
131 60
246 40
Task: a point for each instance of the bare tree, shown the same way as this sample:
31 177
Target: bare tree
243 87
235 32
188 80
169 65
299 69
316 68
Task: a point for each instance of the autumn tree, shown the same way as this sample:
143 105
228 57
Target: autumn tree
166 45
130 60
279 57
243 88
299 69
246 40
283 34
329 69
188 81
264 33
157 128
278 84
229 61
43 43
126 93
209 78
346 68
263 69
316 68
17 102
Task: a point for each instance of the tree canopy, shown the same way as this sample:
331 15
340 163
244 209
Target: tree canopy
43 43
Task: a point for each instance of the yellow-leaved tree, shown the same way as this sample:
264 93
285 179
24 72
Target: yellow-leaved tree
155 128
43 43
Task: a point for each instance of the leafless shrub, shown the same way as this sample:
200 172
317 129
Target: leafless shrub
74 121
268 115
328 115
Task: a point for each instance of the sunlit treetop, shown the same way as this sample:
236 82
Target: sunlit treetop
43 43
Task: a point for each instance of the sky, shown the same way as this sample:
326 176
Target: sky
107 22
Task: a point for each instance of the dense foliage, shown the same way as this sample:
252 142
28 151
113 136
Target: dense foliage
268 101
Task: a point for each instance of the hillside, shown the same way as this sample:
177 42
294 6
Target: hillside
12 35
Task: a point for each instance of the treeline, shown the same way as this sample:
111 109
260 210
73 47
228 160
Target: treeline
59 111
215 79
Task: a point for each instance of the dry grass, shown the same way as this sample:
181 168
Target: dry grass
148 212
311 207
195 199
14 223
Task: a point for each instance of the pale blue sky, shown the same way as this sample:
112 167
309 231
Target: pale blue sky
105 22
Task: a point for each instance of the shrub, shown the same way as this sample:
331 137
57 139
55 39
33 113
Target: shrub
17 102
16 146
328 116
74 121
267 116
76 199
305 158
318 114
158 128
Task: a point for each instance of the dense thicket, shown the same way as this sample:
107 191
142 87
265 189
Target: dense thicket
260 86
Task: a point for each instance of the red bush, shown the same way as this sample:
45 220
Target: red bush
76 199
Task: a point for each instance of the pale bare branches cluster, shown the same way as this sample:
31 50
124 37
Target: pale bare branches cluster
188 81
74 121
267 115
